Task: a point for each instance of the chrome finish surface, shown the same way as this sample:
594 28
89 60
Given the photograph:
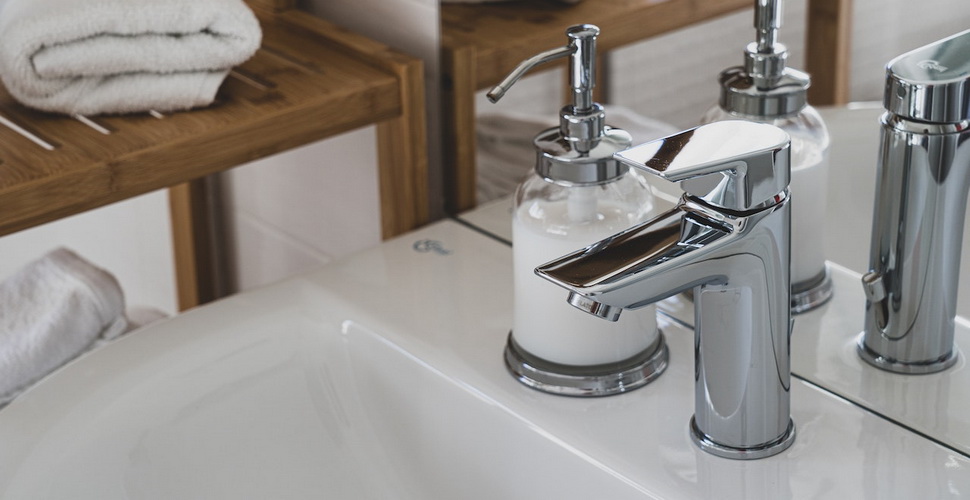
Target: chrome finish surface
904 367
587 381
707 444
498 91
811 294
931 83
741 95
561 160
922 181
764 86
737 262
580 150
735 165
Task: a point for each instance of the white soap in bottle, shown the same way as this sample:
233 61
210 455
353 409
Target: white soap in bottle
765 90
577 195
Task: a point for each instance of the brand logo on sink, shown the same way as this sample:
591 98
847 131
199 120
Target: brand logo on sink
425 246
931 64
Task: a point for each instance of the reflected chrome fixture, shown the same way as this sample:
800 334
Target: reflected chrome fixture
921 198
729 240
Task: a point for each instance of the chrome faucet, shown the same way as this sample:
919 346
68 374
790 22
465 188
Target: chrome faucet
728 239
921 198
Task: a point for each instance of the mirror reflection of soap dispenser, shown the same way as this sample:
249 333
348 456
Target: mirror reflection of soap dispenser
765 90
576 195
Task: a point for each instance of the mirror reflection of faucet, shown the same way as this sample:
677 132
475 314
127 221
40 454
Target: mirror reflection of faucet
922 180
728 239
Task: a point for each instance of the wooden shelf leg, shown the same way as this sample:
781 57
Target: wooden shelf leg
199 271
827 50
458 123
403 157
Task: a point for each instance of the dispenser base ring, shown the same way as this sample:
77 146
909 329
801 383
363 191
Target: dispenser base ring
812 293
587 381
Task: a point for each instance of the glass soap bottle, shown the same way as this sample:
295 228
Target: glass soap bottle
765 90
577 195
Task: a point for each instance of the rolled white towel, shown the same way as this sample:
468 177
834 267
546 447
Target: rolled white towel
51 310
120 56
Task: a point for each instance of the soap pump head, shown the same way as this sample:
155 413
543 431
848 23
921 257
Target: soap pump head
580 150
764 86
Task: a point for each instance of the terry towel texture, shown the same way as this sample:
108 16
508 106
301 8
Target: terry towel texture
50 311
121 56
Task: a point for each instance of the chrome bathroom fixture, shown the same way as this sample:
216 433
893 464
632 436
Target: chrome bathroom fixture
921 197
728 240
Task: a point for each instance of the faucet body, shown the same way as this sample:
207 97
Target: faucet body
923 178
731 245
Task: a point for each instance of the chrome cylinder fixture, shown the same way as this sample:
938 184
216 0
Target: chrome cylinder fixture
729 241
921 197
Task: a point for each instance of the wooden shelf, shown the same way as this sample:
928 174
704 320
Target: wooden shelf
483 42
309 80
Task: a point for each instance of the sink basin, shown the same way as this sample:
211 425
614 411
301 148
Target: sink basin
381 376
279 394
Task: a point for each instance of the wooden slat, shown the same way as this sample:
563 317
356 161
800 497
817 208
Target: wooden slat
827 55
272 5
145 153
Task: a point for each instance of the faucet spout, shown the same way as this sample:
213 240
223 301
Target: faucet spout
736 259
633 268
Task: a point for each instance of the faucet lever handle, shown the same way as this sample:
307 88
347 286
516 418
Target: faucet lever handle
736 165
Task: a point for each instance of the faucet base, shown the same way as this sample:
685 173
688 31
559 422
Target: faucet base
587 381
705 443
893 365
812 293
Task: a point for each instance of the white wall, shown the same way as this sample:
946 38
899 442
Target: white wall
131 239
300 209
884 29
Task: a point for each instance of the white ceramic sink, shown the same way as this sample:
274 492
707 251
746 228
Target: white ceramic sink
290 393
381 376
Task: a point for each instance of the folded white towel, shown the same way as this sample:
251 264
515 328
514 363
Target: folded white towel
120 56
50 311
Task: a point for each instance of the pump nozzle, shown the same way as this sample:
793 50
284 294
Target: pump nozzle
764 60
582 68
764 86
580 151
767 20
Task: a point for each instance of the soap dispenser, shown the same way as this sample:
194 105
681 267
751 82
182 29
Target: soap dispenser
576 195
765 90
